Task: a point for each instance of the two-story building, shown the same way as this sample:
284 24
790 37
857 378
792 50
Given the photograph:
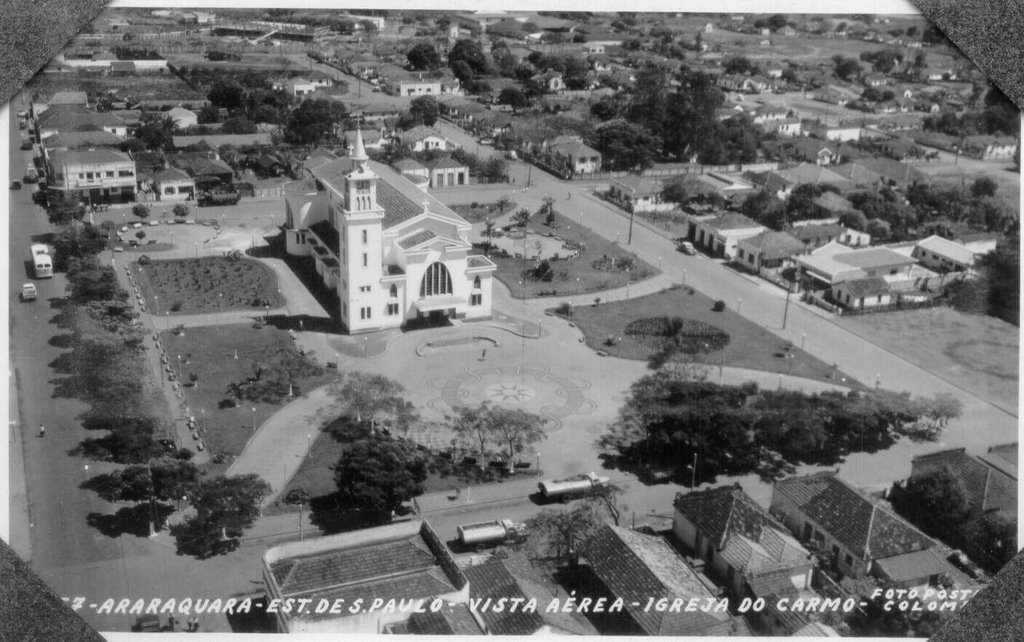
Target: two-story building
95 175
392 252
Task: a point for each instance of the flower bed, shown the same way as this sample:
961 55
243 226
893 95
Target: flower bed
692 336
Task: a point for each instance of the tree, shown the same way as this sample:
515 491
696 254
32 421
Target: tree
513 96
156 130
469 53
522 217
855 220
228 94
503 204
180 210
984 186
225 508
607 496
765 209
208 114
935 500
740 65
140 210
77 241
515 429
371 396
996 535
423 110
561 533
674 191
238 125
423 57
845 68
625 145
161 480
313 121
379 475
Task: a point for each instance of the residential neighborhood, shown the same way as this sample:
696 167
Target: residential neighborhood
500 322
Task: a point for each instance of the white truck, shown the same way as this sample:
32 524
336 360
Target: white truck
562 489
491 533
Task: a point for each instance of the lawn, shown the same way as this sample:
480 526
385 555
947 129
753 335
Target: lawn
208 284
601 265
210 353
316 474
750 345
477 212
978 353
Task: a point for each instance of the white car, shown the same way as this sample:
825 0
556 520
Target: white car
124 228
136 225
154 223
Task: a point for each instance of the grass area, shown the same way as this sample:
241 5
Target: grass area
477 212
978 353
750 345
316 474
599 266
208 284
165 86
209 352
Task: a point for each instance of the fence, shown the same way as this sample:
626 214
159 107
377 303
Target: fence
895 307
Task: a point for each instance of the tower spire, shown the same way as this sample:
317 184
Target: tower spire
359 153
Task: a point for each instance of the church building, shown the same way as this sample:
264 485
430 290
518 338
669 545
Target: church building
391 251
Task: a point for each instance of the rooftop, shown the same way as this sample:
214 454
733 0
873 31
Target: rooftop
987 486
774 245
948 249
405 560
635 567
871 286
851 517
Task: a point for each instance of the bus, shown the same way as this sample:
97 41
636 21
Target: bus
42 263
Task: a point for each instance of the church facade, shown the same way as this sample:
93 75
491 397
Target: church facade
391 251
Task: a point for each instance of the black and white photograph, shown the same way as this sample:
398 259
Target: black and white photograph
489 321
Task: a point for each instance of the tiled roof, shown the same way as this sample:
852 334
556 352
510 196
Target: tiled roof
914 566
813 174
814 232
871 286
421 584
948 249
89 157
720 511
76 117
833 202
416 239
407 164
732 222
170 174
858 173
640 185
774 245
493 580
417 133
635 567
73 139
872 257
355 565
456 620
852 518
987 487
219 140
1003 457
444 162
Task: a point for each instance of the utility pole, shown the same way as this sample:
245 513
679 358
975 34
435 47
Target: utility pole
785 311
629 237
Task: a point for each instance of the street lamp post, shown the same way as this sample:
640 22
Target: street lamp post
803 337
254 420
179 367
365 339
739 306
878 380
627 284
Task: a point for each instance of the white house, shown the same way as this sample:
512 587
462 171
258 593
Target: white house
637 193
421 137
392 252
581 158
943 255
173 184
860 294
721 234
96 175
413 86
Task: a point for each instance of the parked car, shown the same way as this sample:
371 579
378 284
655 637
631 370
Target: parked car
28 292
687 248
16 185
26 144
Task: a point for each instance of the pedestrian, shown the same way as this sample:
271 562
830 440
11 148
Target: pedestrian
300 325
483 355
513 180
42 430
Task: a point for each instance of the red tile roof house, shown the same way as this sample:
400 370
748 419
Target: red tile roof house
746 548
721 234
510 578
400 561
768 250
857 534
637 568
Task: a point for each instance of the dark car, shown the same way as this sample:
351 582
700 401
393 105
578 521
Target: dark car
26 144
16 185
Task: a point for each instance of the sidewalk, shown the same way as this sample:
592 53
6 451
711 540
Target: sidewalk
280 445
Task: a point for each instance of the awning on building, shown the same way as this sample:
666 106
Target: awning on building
430 304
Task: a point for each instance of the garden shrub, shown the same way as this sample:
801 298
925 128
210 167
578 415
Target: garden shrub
718 306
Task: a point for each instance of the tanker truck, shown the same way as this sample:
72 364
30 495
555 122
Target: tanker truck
490 533
571 486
